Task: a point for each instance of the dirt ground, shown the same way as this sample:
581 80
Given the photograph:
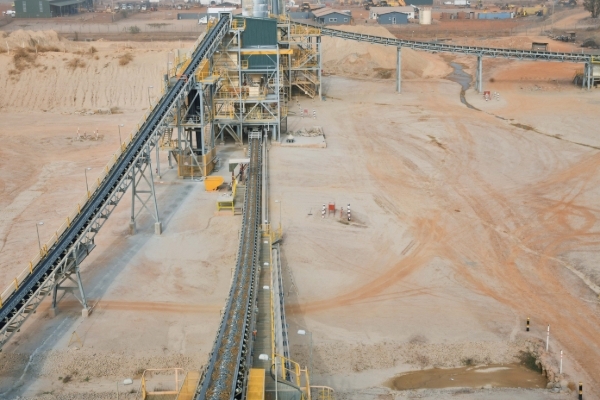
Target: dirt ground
465 222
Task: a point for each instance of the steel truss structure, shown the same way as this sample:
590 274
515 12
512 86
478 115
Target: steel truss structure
132 168
479 52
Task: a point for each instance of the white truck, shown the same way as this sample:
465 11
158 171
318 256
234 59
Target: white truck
465 3
9 13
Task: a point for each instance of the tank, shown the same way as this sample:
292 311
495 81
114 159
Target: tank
247 8
425 16
259 9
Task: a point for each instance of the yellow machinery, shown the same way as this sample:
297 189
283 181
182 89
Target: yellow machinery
226 201
396 3
211 183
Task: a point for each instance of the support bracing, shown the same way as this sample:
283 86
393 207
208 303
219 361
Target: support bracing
143 191
399 70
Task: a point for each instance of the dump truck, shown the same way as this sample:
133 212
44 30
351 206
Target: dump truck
306 6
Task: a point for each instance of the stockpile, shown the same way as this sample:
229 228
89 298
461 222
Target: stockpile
350 58
39 71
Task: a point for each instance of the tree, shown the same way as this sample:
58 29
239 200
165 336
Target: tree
593 6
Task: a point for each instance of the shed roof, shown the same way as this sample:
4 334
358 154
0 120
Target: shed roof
387 10
66 2
326 11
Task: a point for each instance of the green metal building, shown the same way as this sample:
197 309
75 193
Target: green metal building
48 8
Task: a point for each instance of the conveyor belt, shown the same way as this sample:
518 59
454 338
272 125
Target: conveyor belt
15 305
226 373
451 48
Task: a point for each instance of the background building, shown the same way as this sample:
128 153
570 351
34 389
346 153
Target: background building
48 8
392 18
328 16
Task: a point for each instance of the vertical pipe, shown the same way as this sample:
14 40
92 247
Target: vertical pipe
399 70
202 120
320 67
278 89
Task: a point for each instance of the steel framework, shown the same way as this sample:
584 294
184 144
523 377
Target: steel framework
63 257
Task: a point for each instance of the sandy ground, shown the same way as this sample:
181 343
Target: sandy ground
464 224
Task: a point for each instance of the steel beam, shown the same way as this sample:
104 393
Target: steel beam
399 70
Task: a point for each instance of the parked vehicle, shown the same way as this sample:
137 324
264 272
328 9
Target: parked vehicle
10 13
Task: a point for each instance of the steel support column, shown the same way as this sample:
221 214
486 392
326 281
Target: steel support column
399 70
142 173
320 67
479 79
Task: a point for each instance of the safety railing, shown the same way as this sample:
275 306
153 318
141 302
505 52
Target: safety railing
322 393
304 30
238 24
291 372
203 71
93 186
274 234
178 373
188 388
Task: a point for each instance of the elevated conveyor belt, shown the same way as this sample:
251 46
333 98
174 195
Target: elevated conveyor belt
229 362
450 48
32 289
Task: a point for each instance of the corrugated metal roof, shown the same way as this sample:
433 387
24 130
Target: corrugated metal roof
66 3
387 10
326 11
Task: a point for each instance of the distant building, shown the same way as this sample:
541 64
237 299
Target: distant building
392 18
376 11
48 8
328 16
496 15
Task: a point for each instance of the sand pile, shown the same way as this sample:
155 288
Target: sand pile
43 72
346 57
22 38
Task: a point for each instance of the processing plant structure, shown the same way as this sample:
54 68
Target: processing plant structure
235 85
244 87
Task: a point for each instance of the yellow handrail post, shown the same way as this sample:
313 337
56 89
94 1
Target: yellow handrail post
30 267
16 284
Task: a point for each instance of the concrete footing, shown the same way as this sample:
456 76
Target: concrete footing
132 228
158 228
85 312
52 312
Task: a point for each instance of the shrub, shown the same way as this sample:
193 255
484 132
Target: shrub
76 63
125 59
134 29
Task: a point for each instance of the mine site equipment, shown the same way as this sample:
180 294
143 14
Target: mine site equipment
210 83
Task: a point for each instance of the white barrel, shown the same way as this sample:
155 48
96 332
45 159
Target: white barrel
425 16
